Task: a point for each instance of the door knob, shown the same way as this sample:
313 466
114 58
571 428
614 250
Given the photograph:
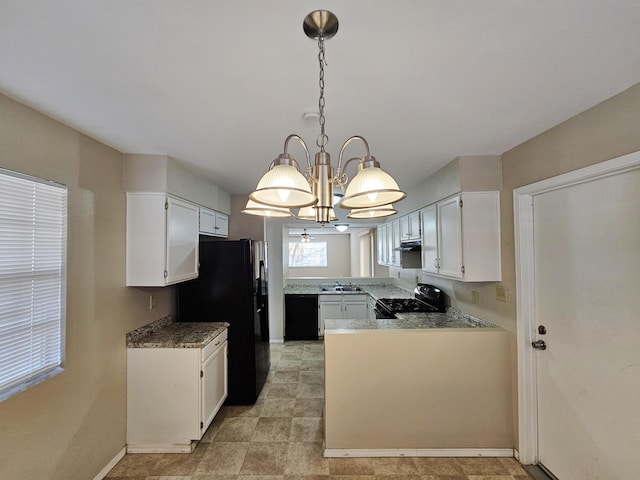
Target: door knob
539 345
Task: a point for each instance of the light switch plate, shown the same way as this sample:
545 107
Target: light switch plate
501 293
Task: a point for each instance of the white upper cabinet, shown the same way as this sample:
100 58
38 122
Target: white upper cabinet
461 237
381 243
162 240
393 242
449 216
410 227
429 239
213 223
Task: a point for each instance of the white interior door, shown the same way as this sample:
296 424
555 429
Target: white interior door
587 296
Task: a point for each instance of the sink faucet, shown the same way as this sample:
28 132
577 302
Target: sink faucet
338 284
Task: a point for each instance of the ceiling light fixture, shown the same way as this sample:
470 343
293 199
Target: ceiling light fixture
309 213
284 186
373 212
342 227
305 237
254 208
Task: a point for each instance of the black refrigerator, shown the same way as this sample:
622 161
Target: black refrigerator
232 287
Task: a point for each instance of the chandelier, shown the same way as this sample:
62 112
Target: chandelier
369 194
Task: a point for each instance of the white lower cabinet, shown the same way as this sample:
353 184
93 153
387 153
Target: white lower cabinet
338 307
173 394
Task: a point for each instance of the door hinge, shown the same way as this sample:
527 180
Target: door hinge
462 269
201 374
460 203
166 204
166 274
201 425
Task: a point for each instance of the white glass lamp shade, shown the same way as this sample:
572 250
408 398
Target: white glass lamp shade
373 212
371 187
309 213
342 227
253 208
283 186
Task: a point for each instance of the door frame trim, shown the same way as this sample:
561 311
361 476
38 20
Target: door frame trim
525 274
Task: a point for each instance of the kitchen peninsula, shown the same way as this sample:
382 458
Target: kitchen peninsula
430 384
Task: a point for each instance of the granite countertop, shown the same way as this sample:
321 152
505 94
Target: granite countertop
375 290
165 333
409 321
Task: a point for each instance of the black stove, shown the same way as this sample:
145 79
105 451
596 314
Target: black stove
405 305
427 299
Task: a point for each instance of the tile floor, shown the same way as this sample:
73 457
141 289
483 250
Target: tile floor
280 438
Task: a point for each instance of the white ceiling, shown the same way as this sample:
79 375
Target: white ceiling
219 84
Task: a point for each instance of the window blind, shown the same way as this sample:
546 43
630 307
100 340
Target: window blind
33 224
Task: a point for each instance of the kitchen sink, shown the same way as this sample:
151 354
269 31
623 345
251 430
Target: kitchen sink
342 288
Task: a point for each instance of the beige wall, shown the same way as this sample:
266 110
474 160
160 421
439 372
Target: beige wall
605 131
242 225
338 259
438 388
69 427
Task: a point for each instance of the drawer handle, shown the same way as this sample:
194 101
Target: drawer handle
218 342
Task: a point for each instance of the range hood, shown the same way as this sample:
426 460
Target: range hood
410 246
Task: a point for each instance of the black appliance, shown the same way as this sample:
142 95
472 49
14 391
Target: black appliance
427 298
301 317
410 252
232 287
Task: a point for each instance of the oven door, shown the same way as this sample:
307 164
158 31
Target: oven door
383 312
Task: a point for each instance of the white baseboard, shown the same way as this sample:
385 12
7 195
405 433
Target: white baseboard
162 448
105 471
276 340
420 452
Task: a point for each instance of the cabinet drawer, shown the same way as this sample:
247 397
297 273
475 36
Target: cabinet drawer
214 345
330 298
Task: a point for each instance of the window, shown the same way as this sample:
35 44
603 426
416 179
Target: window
308 254
33 243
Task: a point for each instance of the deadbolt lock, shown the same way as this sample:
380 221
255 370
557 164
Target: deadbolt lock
539 345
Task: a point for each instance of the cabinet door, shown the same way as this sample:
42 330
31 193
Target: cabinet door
413 220
207 221
355 310
405 228
222 225
381 242
182 241
429 240
214 384
393 241
450 238
330 309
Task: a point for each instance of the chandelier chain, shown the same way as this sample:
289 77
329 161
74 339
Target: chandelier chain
323 139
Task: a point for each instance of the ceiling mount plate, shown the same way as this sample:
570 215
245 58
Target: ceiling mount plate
320 24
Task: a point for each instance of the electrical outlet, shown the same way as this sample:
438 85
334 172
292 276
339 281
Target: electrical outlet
475 297
152 302
501 293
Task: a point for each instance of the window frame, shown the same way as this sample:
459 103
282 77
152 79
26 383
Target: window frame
45 267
